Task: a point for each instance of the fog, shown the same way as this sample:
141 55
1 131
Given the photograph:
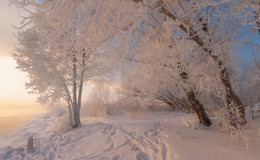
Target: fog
8 124
13 116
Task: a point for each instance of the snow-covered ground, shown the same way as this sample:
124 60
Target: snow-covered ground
132 136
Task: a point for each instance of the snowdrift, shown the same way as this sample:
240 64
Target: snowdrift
132 136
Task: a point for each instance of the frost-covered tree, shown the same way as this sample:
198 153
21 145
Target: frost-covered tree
248 80
160 71
211 25
62 46
249 10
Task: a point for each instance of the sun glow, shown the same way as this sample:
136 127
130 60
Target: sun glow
12 86
14 99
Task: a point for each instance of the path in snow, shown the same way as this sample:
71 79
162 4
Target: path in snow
148 136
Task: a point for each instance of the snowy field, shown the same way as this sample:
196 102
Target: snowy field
132 136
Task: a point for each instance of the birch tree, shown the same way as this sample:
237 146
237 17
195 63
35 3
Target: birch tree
62 49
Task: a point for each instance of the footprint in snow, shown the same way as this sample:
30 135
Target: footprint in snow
109 148
142 156
116 157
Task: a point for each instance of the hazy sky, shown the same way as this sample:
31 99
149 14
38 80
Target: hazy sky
12 81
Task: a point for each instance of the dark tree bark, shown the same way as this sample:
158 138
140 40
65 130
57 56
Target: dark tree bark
199 109
257 14
231 96
196 105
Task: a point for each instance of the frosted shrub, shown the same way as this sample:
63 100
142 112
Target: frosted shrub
98 100
57 110
239 136
94 109
63 123
236 131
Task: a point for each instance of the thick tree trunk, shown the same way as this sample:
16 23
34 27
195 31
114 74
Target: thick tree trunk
230 94
196 105
199 109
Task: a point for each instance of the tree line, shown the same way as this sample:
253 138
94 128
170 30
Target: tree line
180 52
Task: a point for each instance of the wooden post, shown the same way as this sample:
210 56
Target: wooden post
30 144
